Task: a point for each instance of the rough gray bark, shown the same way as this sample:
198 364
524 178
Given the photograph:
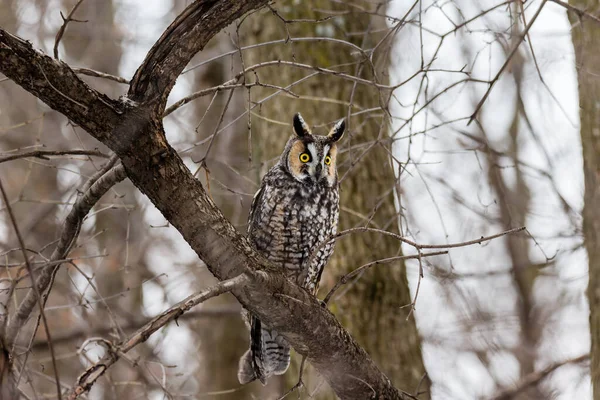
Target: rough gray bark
586 39
133 129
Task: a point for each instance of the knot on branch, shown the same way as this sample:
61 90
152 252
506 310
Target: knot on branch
138 127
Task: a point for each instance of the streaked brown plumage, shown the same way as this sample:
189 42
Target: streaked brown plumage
295 210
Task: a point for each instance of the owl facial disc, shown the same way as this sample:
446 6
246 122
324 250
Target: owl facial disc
311 159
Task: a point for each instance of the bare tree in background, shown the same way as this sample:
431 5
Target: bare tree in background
586 39
110 265
485 149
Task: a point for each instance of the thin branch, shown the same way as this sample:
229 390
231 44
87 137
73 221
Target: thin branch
8 387
62 29
320 70
535 377
183 38
508 59
215 133
57 85
279 41
578 11
346 278
229 85
114 352
98 74
38 297
44 154
72 336
58 91
409 242
96 188
299 385
469 242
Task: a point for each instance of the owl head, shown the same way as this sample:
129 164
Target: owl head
311 159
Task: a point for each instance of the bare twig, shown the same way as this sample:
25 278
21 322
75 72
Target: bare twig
409 242
299 384
98 185
44 154
74 335
229 85
280 41
36 291
98 74
576 10
535 377
65 96
8 387
346 278
508 59
114 352
215 132
63 27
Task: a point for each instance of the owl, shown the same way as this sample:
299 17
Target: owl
295 211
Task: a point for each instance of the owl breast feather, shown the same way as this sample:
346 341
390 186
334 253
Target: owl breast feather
289 220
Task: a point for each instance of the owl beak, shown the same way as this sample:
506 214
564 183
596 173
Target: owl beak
318 170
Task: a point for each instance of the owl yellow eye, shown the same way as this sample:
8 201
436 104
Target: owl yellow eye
327 160
304 157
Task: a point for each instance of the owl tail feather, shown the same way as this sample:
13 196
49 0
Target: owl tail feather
269 354
246 372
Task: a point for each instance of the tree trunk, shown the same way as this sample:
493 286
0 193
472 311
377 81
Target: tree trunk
218 371
514 201
371 307
586 39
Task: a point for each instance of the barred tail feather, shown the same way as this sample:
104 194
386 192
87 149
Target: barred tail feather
276 353
246 372
269 355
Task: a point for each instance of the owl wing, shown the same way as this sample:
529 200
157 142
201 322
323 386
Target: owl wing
256 200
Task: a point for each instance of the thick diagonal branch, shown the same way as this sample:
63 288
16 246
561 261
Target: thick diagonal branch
185 37
54 83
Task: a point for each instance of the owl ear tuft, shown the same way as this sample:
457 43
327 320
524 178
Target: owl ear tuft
300 127
336 133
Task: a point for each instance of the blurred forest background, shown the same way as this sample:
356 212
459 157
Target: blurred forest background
465 119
